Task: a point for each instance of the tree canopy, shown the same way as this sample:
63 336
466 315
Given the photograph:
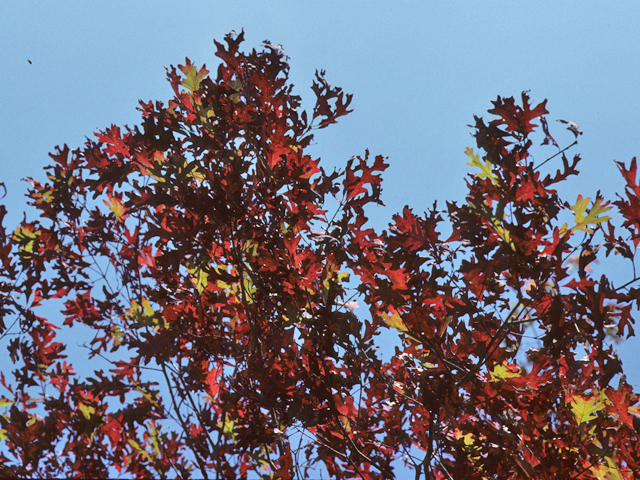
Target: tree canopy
215 269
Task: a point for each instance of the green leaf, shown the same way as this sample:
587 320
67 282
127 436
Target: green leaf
486 168
141 316
584 407
194 77
86 410
609 471
139 449
25 237
147 308
249 288
504 371
117 335
236 84
394 320
228 428
155 436
199 277
584 218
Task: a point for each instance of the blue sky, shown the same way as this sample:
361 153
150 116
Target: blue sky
419 71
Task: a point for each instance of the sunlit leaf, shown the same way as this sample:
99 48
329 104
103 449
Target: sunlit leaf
607 471
504 371
116 207
394 320
193 76
585 407
486 168
591 217
86 410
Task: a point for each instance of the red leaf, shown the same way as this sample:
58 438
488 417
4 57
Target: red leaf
517 119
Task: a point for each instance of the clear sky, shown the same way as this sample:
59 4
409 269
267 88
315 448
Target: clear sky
419 71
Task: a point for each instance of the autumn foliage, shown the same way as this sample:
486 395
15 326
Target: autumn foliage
211 268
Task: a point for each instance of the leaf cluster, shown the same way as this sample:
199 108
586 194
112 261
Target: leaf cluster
198 249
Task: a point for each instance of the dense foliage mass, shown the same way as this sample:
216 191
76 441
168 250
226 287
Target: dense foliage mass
213 268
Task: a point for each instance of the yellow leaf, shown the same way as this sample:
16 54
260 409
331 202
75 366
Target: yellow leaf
343 277
584 218
200 277
146 307
504 371
139 449
486 169
86 410
141 317
228 427
394 320
607 472
25 237
249 288
116 207
468 439
194 77
584 407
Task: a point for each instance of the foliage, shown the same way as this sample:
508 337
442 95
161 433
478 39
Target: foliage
199 251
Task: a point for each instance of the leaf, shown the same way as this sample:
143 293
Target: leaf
467 439
355 185
86 410
117 335
486 212
548 138
140 316
139 449
199 277
504 371
249 288
212 381
517 119
5 402
584 407
116 207
486 169
584 218
394 320
193 76
573 128
609 471
236 84
25 237
228 428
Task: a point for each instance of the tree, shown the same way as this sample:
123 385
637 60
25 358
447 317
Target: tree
201 251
